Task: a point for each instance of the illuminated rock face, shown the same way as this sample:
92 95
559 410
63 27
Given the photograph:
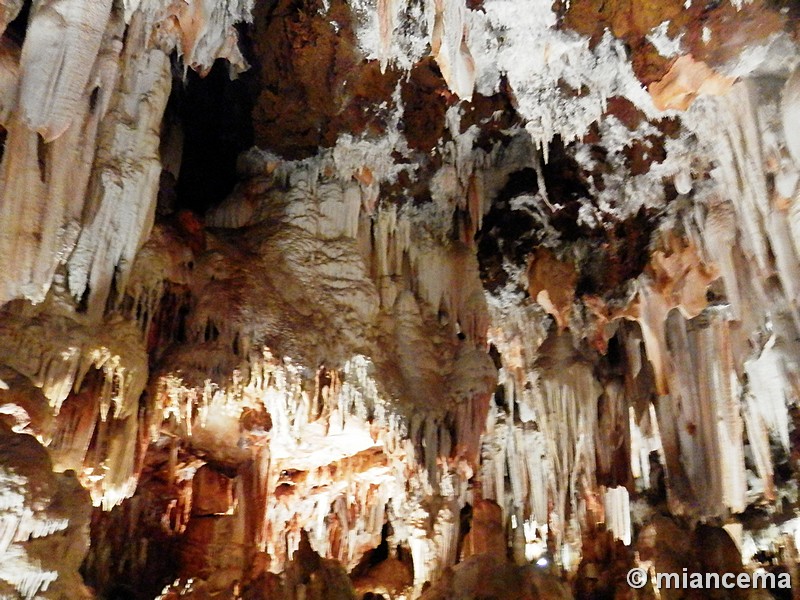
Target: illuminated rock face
437 299
45 523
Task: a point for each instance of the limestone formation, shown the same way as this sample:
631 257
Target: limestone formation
399 299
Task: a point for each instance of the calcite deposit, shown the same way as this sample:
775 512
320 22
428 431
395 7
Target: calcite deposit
397 299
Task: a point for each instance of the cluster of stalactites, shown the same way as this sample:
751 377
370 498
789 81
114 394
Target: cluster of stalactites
505 40
730 370
82 101
702 408
403 249
333 460
559 432
82 380
545 436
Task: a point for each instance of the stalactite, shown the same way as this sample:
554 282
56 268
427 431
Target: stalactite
704 416
35 350
62 39
57 174
387 22
368 471
123 207
790 102
618 513
450 48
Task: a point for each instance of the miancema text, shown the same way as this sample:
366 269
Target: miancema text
715 581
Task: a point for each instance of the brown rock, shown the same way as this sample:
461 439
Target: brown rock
687 79
552 283
487 534
212 493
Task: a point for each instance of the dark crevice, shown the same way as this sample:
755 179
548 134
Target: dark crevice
465 526
566 187
375 556
214 113
507 233
83 302
93 98
613 252
41 154
18 27
621 255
